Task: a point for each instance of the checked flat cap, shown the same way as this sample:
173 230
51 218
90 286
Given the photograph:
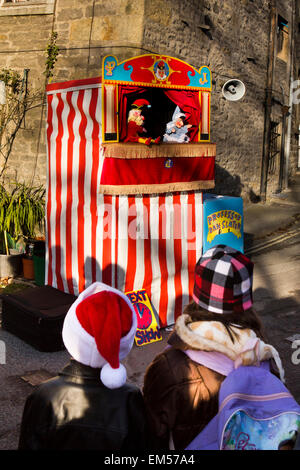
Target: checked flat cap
223 280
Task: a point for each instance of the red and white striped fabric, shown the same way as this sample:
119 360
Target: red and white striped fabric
128 242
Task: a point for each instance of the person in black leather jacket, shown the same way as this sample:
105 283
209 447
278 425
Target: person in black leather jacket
89 405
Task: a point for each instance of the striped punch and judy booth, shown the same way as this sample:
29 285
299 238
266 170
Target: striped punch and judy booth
129 212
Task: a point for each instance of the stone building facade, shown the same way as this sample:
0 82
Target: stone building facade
255 41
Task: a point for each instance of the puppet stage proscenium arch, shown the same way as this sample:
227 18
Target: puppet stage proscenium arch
148 239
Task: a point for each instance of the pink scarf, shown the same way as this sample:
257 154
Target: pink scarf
216 361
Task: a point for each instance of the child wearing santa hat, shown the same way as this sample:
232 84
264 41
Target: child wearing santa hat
90 405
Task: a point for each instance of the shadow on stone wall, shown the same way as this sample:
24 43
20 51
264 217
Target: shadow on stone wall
227 184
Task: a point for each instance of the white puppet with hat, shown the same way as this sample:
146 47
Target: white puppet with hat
99 331
176 130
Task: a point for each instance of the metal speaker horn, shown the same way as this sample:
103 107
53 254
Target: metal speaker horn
233 90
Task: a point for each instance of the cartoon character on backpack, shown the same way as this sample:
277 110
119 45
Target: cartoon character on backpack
256 412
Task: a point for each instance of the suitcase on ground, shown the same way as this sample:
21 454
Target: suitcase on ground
36 316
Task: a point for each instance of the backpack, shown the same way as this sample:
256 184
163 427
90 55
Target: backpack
256 412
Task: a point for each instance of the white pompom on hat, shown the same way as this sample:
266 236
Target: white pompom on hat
99 331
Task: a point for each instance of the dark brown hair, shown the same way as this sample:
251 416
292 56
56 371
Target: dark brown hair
247 319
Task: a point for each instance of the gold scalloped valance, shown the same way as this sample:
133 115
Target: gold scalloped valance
135 150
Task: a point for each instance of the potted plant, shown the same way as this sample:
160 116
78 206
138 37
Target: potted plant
22 212
10 264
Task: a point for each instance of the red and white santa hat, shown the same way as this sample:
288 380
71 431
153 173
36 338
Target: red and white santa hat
99 331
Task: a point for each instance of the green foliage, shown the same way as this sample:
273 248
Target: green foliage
19 100
12 80
12 114
22 212
12 288
52 52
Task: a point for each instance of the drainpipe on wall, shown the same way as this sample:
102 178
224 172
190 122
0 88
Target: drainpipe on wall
299 147
282 165
268 104
290 115
42 117
288 139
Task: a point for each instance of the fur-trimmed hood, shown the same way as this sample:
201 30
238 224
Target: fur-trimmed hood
247 349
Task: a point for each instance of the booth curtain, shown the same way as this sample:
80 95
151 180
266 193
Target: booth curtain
188 102
124 91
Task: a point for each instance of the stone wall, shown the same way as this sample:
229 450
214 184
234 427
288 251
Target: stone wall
87 31
231 37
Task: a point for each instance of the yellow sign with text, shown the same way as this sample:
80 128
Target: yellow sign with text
224 221
147 328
